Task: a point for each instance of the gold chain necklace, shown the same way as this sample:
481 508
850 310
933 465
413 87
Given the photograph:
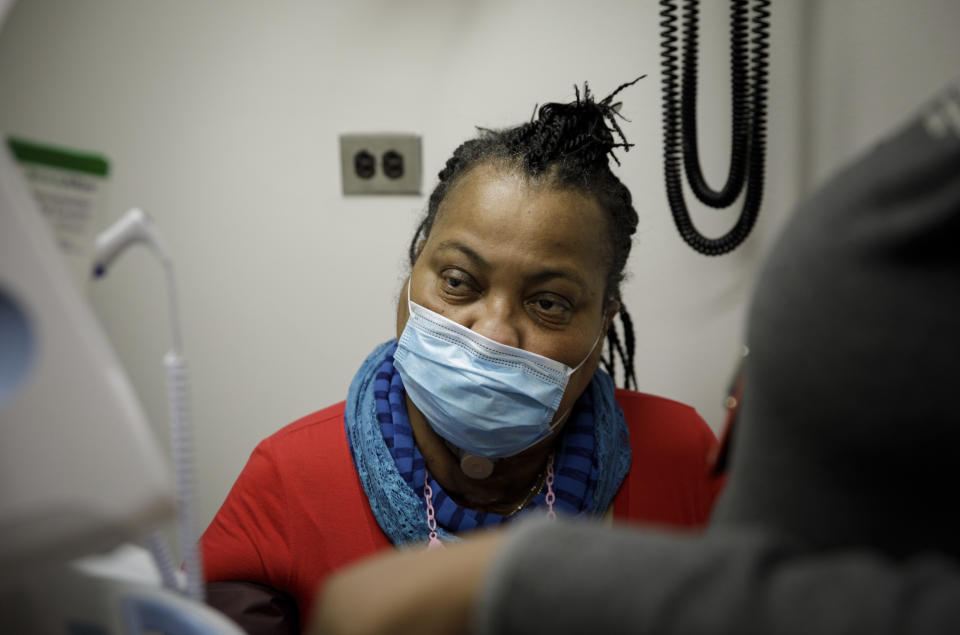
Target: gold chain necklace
535 490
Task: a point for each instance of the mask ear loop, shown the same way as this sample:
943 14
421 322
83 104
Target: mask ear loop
603 318
562 418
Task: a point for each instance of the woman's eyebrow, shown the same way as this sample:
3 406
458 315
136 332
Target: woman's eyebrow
476 258
551 274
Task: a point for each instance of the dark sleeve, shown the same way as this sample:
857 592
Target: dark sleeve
579 578
258 609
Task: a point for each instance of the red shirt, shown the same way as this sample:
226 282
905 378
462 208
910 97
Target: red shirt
298 512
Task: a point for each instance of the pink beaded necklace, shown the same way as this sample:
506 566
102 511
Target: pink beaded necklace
435 542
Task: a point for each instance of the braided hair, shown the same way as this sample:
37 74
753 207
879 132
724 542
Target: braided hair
568 145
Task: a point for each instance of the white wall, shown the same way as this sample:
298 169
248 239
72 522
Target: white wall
871 64
221 120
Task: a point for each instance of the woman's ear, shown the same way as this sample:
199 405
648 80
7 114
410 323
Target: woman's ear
613 307
403 312
419 249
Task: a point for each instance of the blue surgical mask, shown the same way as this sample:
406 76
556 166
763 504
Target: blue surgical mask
488 399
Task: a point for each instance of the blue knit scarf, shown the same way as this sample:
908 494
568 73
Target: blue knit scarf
592 457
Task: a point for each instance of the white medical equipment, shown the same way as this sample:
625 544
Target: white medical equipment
79 469
136 227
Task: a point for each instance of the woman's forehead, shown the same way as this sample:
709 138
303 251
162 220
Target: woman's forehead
499 209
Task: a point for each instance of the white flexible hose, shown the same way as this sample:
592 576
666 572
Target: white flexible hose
182 441
133 227
162 557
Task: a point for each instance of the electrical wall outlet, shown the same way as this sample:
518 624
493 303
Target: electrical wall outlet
380 163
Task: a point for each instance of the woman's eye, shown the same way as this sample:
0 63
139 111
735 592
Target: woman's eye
551 307
455 283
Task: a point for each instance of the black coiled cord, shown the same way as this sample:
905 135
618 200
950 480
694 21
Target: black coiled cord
748 146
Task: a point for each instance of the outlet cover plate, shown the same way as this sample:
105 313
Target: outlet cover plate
387 163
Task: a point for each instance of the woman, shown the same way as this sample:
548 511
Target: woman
489 403
833 520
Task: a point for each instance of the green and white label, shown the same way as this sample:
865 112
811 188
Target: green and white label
70 189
